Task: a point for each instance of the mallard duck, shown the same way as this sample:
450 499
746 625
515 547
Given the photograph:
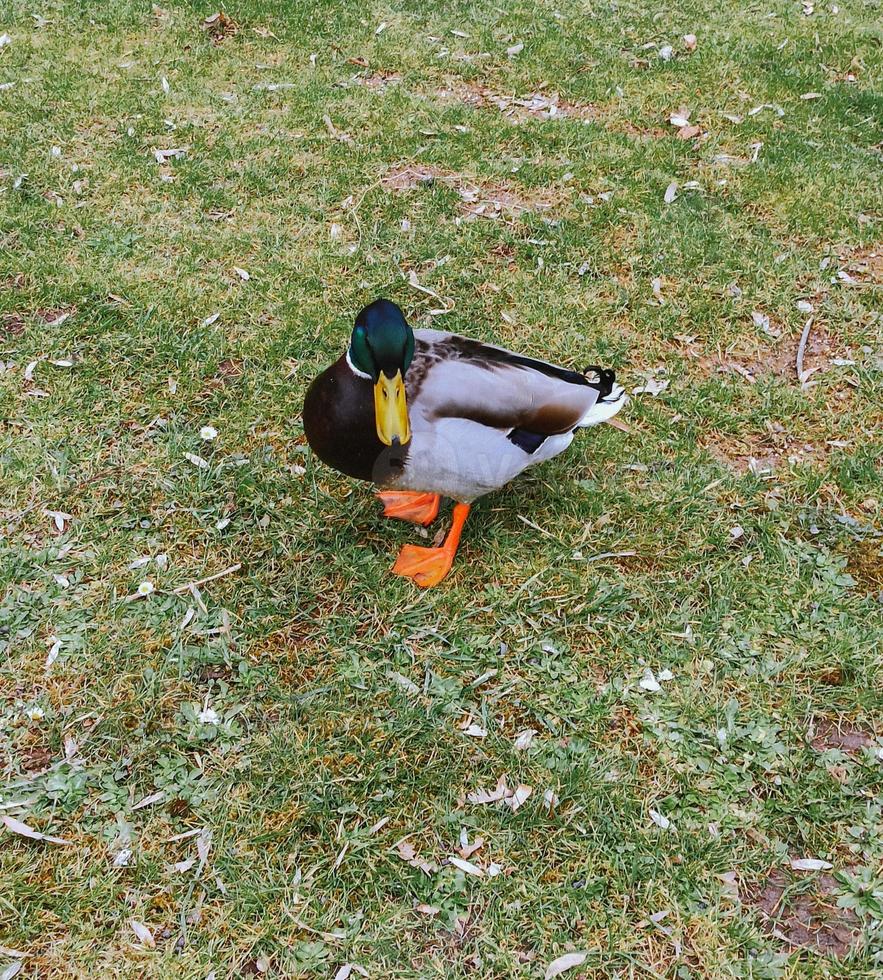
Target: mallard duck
424 414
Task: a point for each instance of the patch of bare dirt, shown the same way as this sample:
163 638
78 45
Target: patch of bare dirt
763 453
36 759
641 133
778 359
477 199
219 26
803 912
51 314
866 565
840 735
379 81
413 175
11 325
537 105
865 265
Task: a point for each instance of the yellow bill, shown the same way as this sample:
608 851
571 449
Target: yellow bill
391 409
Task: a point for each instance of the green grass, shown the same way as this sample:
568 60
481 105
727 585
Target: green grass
767 635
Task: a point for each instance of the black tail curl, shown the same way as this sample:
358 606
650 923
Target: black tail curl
604 379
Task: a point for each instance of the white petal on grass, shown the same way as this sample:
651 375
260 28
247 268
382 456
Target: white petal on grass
150 800
142 932
671 192
810 95
666 52
467 867
4 40
203 846
243 275
653 386
665 675
649 682
679 119
164 82
810 864
11 970
475 731
347 970
54 650
523 739
804 306
29 370
689 41
209 320
175 153
381 28
35 713
146 588
550 799
737 531
562 964
660 820
208 716
405 683
196 460
208 433
515 49
23 830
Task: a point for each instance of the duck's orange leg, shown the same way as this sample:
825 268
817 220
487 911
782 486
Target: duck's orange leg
428 566
419 508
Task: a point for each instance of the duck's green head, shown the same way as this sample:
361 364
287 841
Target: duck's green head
381 348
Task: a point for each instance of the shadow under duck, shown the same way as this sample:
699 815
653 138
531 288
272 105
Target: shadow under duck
424 414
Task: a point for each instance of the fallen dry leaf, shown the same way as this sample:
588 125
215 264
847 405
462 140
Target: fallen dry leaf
466 850
23 830
500 792
524 738
522 792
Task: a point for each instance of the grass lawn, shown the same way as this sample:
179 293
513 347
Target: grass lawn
671 635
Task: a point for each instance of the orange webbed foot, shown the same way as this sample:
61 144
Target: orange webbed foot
419 508
428 566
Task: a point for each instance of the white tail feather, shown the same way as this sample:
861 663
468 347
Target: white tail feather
605 408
